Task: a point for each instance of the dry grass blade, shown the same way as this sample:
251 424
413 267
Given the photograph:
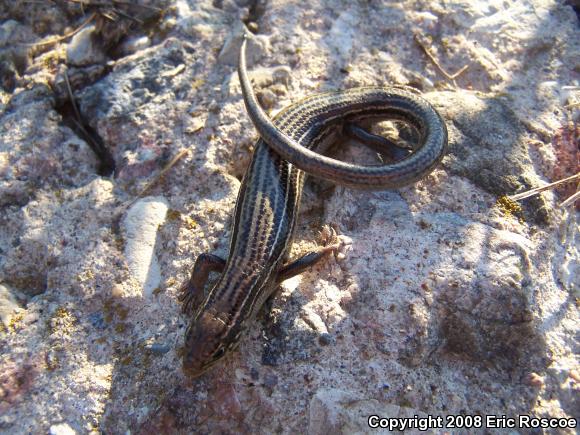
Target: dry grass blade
113 3
129 17
570 200
63 37
71 97
537 190
155 180
163 171
107 162
436 63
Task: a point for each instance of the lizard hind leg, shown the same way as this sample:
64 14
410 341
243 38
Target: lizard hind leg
388 150
192 293
330 243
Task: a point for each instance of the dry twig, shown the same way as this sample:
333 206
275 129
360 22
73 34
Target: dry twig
427 52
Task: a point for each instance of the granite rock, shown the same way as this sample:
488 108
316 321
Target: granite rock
442 300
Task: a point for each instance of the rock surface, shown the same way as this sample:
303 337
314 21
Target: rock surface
444 302
84 48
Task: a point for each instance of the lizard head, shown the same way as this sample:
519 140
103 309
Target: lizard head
205 344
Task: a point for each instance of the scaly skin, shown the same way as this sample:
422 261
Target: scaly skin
269 198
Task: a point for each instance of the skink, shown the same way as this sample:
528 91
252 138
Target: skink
269 197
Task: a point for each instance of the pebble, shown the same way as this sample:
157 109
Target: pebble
325 339
61 429
83 49
534 380
267 99
117 291
134 44
158 348
255 48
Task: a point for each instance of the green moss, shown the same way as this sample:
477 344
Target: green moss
173 215
61 320
189 222
13 325
510 208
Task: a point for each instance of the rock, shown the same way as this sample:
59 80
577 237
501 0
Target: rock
140 226
37 150
502 153
342 412
256 47
14 192
85 48
568 265
8 305
14 52
156 74
269 84
445 301
61 429
134 44
158 348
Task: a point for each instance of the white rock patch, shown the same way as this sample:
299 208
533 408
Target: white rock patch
140 226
